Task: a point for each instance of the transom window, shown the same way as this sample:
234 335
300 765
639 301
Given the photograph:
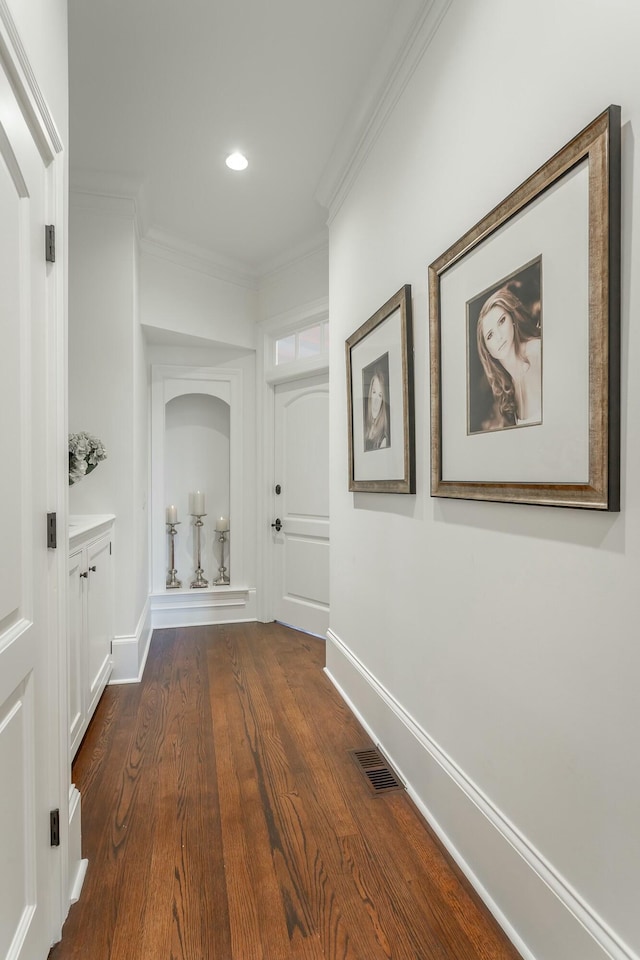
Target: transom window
311 342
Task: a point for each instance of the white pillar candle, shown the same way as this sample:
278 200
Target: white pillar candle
222 525
197 503
172 514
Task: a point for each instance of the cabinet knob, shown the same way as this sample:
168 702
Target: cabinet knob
85 573
93 569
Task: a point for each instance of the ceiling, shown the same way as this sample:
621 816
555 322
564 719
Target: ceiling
162 90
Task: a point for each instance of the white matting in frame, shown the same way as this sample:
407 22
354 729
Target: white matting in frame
554 227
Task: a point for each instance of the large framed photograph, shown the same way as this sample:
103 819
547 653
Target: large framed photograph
525 338
380 400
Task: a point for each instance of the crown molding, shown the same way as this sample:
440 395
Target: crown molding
106 193
126 196
103 184
28 92
110 206
365 124
159 244
314 245
113 194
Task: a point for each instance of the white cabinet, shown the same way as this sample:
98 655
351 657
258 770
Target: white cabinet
90 618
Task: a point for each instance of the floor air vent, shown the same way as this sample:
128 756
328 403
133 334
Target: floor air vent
379 774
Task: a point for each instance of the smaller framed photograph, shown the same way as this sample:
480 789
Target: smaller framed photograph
380 402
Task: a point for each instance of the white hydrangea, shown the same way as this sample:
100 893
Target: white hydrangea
85 453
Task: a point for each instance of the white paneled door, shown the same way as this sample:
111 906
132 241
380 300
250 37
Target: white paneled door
25 850
301 507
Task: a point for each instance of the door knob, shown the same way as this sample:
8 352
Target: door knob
93 569
277 524
85 573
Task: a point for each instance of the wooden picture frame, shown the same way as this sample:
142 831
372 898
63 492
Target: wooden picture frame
380 400
536 283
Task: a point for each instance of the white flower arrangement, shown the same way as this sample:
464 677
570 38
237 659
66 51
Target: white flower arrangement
85 453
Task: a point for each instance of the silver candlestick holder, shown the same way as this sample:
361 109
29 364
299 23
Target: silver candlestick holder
172 580
199 581
222 570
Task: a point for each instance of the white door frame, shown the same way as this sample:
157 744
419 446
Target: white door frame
268 377
55 462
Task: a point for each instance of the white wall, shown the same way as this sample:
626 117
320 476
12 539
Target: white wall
493 648
302 280
179 297
108 388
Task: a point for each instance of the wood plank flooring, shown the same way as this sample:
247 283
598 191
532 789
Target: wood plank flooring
224 819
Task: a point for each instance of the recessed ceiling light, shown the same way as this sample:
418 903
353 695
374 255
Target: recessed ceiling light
237 161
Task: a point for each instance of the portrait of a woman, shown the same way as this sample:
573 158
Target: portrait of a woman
376 413
508 339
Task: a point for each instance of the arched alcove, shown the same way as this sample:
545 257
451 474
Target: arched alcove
197 457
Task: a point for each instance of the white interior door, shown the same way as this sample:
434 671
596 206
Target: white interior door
301 546
25 851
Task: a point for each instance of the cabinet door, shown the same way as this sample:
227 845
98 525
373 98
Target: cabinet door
99 619
76 651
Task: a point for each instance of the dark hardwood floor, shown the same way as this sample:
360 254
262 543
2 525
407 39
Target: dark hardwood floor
224 819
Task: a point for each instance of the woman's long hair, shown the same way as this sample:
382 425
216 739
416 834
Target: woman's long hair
377 429
524 328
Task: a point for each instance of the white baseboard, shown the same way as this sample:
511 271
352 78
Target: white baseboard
194 608
77 866
78 881
130 652
540 912
198 608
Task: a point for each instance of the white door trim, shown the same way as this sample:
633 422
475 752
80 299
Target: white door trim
55 461
266 430
62 881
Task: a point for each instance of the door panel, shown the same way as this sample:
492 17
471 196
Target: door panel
301 548
307 573
17 877
305 424
24 850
